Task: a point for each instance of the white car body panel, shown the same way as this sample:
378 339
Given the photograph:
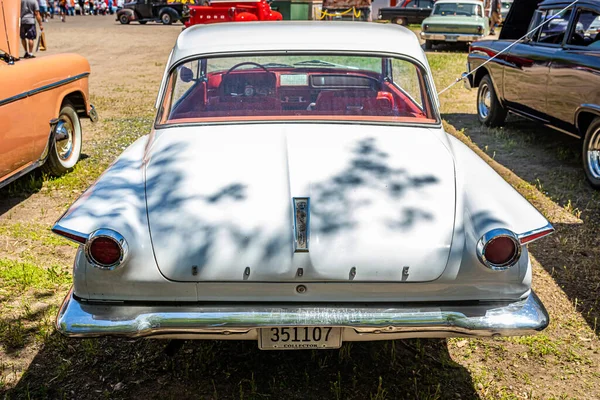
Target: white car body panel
220 199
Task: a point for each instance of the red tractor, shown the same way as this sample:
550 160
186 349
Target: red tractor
231 11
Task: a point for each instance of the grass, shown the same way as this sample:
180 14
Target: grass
20 276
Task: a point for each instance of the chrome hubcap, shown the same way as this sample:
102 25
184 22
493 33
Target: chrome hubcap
484 102
593 154
63 138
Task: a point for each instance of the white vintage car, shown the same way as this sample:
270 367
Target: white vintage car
298 189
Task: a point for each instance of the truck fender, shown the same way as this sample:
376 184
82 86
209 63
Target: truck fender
245 16
171 11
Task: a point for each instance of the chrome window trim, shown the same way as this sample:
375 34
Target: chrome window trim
113 235
42 89
425 74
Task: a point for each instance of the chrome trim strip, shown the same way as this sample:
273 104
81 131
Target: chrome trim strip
116 237
532 236
562 131
25 171
43 89
80 319
301 224
487 238
69 234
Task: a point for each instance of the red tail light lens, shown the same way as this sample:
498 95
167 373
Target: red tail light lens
105 251
499 249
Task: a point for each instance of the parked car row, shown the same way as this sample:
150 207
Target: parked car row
189 14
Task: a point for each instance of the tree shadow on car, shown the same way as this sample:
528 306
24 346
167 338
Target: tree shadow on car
551 162
114 368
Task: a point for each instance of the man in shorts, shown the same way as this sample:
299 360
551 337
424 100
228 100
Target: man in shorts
30 11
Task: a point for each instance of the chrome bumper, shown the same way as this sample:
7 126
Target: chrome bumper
361 322
450 37
93 113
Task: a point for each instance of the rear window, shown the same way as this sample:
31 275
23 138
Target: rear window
296 87
458 9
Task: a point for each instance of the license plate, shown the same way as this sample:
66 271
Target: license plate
451 38
300 337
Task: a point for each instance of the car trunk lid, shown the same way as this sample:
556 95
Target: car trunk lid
220 203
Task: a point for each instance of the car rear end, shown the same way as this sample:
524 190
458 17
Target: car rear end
291 199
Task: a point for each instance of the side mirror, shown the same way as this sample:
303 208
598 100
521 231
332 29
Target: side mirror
186 74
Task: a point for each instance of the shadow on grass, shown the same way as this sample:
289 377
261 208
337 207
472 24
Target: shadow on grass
20 189
551 161
114 368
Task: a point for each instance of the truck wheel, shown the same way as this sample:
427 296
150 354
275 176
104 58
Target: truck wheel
166 18
489 110
591 154
428 45
124 19
65 147
400 21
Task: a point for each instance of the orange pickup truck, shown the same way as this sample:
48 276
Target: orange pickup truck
41 102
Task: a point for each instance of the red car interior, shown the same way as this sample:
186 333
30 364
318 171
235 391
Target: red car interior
257 92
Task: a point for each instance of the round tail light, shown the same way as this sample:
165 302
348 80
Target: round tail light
106 249
499 249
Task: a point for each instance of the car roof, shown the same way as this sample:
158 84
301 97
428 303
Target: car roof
255 37
459 1
564 3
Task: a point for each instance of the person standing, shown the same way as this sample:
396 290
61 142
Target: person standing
492 10
63 10
43 10
30 12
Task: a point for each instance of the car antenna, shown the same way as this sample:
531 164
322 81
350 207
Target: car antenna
466 75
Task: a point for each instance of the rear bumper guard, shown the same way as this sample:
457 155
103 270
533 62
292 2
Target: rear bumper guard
241 321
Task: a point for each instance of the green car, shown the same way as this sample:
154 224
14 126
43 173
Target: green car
454 21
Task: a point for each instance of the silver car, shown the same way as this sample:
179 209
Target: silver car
300 193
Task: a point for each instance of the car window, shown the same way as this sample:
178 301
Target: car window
426 3
406 77
412 4
452 9
585 32
297 87
553 31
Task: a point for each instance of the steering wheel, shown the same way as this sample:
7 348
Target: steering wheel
577 39
236 66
